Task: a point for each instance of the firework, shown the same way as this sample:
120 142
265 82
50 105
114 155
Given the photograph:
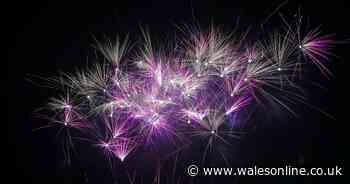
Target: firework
195 89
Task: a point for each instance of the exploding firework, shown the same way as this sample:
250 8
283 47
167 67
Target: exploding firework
176 96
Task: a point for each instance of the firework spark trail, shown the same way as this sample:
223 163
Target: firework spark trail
317 48
195 89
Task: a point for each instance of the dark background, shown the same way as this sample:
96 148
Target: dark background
46 37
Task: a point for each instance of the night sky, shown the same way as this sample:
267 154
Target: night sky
44 38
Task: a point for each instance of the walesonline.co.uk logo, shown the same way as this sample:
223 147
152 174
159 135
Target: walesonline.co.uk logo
193 170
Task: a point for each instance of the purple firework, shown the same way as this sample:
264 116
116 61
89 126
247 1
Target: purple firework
195 89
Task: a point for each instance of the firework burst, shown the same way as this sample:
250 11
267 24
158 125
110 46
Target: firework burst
192 90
